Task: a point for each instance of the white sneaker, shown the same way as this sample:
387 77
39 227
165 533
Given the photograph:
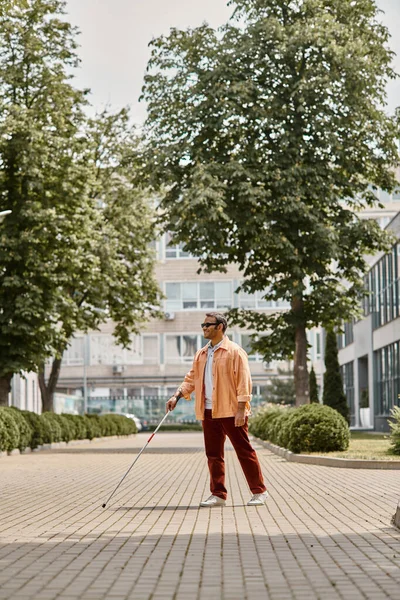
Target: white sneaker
258 499
213 501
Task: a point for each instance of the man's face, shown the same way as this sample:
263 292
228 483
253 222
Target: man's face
211 330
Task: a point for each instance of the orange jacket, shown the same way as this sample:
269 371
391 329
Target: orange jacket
231 380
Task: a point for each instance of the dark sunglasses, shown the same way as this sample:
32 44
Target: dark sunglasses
204 325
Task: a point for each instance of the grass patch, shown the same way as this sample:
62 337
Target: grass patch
366 446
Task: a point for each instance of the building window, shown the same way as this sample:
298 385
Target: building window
346 337
206 295
387 378
174 250
256 301
317 344
151 349
104 350
181 348
347 372
74 354
245 342
382 284
314 340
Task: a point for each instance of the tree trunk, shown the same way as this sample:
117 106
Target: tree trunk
47 390
5 388
301 379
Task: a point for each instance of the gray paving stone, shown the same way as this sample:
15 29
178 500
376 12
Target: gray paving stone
324 534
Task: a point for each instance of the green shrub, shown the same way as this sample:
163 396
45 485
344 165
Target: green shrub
111 424
38 428
395 430
118 425
279 432
93 426
67 428
78 425
262 424
9 432
108 425
315 428
25 430
52 428
177 427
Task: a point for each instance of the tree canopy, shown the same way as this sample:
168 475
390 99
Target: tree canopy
267 137
74 251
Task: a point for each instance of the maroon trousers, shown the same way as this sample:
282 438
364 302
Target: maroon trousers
215 432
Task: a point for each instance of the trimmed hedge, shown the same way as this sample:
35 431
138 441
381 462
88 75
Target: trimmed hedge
52 428
25 429
9 432
38 428
309 428
110 424
177 427
22 428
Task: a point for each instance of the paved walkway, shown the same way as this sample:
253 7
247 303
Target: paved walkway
325 533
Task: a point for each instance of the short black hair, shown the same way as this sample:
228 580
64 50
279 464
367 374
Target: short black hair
220 318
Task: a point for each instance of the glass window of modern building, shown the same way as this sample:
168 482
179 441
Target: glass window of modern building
245 342
74 354
346 336
174 250
256 301
207 295
182 348
347 372
387 378
104 350
383 289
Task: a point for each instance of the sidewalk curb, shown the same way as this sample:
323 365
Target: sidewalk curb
326 461
62 445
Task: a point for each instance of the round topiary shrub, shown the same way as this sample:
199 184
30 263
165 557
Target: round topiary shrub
315 428
52 428
38 426
9 432
25 430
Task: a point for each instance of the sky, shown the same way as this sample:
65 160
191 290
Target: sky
115 35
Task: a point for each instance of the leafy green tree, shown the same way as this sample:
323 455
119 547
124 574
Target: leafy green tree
256 134
74 251
115 279
281 389
333 394
314 396
40 112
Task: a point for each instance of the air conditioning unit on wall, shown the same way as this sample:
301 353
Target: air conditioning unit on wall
118 369
169 316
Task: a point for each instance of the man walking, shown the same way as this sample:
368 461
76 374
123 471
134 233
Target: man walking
221 379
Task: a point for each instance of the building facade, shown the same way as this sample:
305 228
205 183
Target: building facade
369 352
25 392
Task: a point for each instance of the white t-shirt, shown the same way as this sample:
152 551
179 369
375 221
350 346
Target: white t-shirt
208 374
